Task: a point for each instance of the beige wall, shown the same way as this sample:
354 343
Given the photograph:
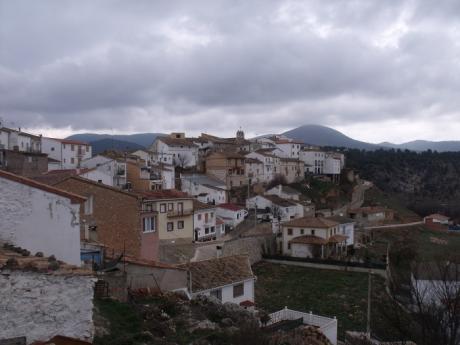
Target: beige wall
165 217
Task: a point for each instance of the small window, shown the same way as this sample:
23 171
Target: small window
302 231
289 246
72 147
206 231
170 226
290 232
170 206
180 224
217 294
238 290
162 208
213 229
149 224
89 205
87 148
52 149
199 217
313 232
72 160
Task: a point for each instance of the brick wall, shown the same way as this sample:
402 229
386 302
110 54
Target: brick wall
24 163
116 215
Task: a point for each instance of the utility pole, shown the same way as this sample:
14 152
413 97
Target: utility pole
369 289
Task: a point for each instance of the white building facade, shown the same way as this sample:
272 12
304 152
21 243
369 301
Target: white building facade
70 153
40 218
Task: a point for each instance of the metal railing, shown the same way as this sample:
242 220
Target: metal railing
180 213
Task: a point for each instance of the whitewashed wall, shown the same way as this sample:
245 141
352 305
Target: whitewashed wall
227 293
40 306
39 221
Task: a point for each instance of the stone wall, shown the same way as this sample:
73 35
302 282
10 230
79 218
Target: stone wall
40 306
252 246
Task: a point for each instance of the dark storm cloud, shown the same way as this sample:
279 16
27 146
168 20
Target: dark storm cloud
266 65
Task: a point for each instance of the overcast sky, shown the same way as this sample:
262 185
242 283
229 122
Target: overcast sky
376 70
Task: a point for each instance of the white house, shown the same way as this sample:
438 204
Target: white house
40 218
231 214
270 162
290 148
166 173
175 149
70 153
435 282
284 192
282 208
346 228
229 279
204 188
314 160
114 171
205 225
254 170
312 237
11 139
147 156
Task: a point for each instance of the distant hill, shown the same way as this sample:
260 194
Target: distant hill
142 139
325 136
425 145
102 145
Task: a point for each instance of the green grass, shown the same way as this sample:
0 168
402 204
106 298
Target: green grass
324 292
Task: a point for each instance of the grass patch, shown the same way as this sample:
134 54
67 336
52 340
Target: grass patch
324 292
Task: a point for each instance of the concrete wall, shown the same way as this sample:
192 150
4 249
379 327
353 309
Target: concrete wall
252 246
39 221
25 163
40 306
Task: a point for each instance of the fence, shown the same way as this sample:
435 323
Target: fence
326 325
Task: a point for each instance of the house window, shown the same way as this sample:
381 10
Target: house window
170 226
162 208
238 290
212 215
72 160
87 148
313 232
290 232
213 229
199 216
72 147
170 206
180 224
149 224
289 246
89 205
206 231
302 231
217 294
52 149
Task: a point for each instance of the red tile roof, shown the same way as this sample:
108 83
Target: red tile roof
74 198
69 141
247 303
231 207
308 239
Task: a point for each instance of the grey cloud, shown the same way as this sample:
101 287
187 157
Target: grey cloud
263 64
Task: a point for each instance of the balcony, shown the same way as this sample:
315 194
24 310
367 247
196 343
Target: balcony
180 213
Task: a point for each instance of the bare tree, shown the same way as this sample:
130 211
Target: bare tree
181 160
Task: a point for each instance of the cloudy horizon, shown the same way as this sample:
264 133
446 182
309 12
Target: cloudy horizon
376 71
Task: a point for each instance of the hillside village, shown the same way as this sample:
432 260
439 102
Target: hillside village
189 223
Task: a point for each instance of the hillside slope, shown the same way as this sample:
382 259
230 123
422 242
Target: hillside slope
142 139
325 136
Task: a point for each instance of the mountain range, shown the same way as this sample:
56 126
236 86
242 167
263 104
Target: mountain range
310 134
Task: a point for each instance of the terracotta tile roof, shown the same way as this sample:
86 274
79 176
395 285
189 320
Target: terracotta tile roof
266 153
231 207
164 194
198 205
311 222
74 198
341 219
337 238
218 272
177 141
69 141
226 154
308 239
54 177
438 216
16 259
247 303
275 199
143 262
